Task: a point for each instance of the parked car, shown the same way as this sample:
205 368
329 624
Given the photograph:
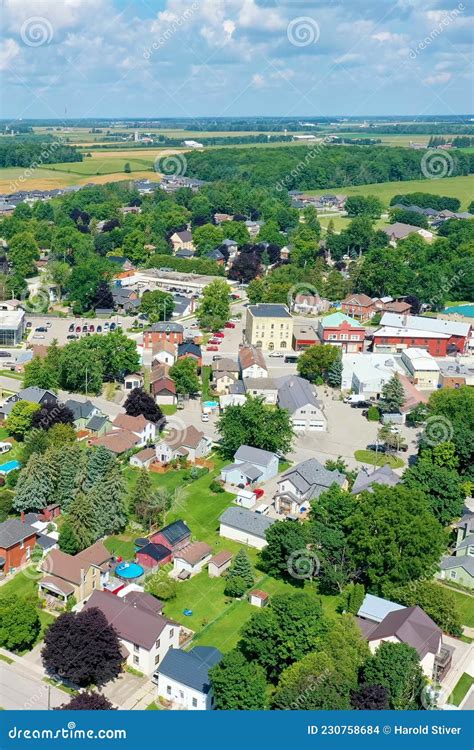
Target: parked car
113 326
48 324
214 341
4 354
29 324
229 325
218 335
72 336
276 354
38 336
84 328
78 329
259 493
71 328
262 509
5 447
106 326
216 357
204 417
212 348
91 328
381 448
41 329
360 405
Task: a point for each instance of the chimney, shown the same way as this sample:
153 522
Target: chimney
22 516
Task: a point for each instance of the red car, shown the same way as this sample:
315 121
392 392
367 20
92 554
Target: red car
229 325
78 329
218 335
259 493
91 328
212 349
214 341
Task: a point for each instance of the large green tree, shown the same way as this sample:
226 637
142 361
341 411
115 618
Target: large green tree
285 554
214 307
392 396
316 362
257 424
436 600
20 419
185 377
237 684
19 623
157 305
396 666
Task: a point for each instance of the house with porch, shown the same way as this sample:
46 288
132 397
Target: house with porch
305 482
75 576
251 466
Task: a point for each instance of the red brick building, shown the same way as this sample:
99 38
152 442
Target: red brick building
438 336
172 332
341 330
17 540
358 306
175 536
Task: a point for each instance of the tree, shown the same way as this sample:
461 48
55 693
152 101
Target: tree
184 375
37 373
84 281
455 410
437 601
19 623
334 377
143 498
316 361
82 519
22 253
87 702
20 419
81 370
51 414
36 484
240 575
141 403
394 537
107 497
206 238
390 437
313 683
159 584
100 461
442 486
283 632
127 168
347 647
83 648
256 424
237 685
157 305
370 698
355 596
285 553
117 353
392 397
67 539
103 298
364 205
214 308
73 463
396 666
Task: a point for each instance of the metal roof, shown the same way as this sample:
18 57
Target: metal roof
190 668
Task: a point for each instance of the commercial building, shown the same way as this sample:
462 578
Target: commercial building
12 327
422 368
339 329
269 326
438 336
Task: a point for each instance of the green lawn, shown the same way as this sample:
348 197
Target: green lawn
22 585
378 459
168 409
121 546
465 604
206 382
461 689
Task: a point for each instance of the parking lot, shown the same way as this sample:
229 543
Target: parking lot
62 329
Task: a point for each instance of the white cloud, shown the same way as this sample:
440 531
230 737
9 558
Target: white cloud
9 50
438 78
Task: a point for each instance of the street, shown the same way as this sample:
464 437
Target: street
22 689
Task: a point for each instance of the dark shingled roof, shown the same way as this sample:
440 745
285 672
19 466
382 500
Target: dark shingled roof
175 532
190 668
14 531
410 625
156 551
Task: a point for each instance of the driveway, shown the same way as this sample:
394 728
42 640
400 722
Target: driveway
22 689
127 690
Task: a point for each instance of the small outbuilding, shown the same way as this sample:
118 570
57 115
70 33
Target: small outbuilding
259 598
219 563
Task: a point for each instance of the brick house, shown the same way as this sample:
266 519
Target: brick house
358 306
189 349
341 330
172 332
17 539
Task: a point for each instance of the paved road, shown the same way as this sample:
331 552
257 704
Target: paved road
22 689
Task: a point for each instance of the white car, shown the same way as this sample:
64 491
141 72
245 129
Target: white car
275 354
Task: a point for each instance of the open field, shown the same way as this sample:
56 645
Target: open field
454 187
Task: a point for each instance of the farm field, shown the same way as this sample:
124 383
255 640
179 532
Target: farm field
454 187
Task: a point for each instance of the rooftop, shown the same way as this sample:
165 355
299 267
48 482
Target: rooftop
190 668
247 520
418 323
336 319
14 531
194 552
269 310
253 455
295 392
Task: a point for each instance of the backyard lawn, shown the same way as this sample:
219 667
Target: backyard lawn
465 604
378 459
461 689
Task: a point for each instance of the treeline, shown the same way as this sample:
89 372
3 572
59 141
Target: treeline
33 153
427 200
318 167
462 141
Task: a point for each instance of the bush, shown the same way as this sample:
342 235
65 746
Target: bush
216 486
235 586
12 478
2 481
373 414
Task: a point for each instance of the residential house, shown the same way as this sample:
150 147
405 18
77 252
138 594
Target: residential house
219 218
296 395
229 246
153 555
459 567
190 560
399 307
410 625
118 441
440 337
183 678
399 231
75 576
145 636
166 331
165 353
222 381
367 478
422 368
82 411
33 394
124 263
253 227
216 255
310 304
225 364
17 540
134 380
175 536
219 564
359 306
185 252
339 329
252 363
163 390
141 427
305 482
144 458
265 388
245 526
183 239
303 337
99 425
269 326
125 300
189 349
251 466
189 443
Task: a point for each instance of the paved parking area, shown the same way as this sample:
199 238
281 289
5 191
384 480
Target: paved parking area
123 690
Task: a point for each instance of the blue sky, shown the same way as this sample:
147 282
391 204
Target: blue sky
191 58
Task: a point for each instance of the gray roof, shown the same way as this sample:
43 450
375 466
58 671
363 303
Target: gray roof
248 469
383 475
34 394
247 521
225 365
468 541
190 668
410 625
417 323
81 409
312 478
265 310
96 423
461 561
45 542
167 327
375 608
260 384
294 393
237 388
14 531
255 456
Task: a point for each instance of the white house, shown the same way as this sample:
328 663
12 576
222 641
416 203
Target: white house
245 526
145 634
191 560
246 499
265 388
251 465
303 483
183 678
165 352
189 443
143 428
219 563
296 395
134 380
252 363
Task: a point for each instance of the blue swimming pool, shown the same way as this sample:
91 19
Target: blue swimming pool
129 570
211 404
9 466
466 310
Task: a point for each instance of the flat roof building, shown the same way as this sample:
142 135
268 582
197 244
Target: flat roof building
269 326
12 327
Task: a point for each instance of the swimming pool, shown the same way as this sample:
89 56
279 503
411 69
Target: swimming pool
129 570
211 404
9 466
466 310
